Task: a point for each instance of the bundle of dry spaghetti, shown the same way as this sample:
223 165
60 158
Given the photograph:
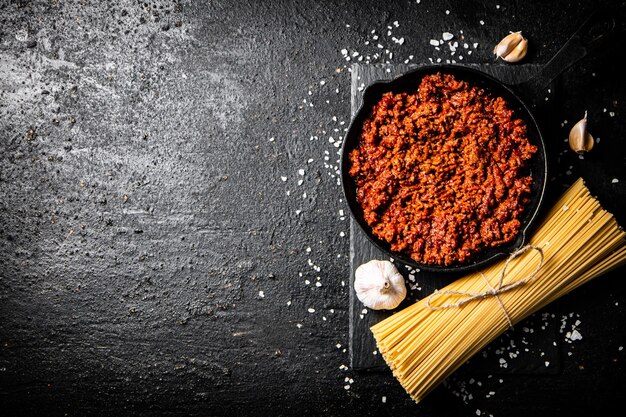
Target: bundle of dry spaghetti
426 342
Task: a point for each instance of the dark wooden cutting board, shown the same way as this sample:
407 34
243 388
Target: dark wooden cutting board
534 342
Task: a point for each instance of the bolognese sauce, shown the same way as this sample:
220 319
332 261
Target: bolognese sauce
440 172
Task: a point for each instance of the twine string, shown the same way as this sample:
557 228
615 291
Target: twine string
492 291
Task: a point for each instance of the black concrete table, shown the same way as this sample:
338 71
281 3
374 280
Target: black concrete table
173 239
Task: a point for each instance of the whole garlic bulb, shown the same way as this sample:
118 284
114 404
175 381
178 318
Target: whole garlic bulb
379 285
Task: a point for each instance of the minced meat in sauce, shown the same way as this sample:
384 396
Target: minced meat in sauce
440 172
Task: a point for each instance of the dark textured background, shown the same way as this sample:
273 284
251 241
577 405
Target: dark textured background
142 209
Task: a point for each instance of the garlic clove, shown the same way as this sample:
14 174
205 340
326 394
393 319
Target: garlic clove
379 285
580 140
512 48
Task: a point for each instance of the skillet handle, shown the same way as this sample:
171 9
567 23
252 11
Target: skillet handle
591 35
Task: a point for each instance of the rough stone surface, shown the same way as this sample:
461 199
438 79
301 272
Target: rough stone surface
152 259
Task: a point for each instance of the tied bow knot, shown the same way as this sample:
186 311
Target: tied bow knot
492 291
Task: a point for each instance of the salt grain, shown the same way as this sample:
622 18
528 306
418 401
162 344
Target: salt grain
261 294
576 335
447 36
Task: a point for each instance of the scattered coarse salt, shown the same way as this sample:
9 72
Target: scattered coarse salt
614 181
318 284
620 348
447 36
261 294
311 310
344 52
307 282
343 367
299 326
547 363
482 22
478 412
434 42
283 179
301 171
288 303
346 387
342 234
447 11
298 212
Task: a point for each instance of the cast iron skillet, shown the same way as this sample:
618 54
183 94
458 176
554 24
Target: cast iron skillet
588 37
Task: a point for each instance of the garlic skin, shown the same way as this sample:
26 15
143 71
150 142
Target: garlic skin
580 141
379 285
512 48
